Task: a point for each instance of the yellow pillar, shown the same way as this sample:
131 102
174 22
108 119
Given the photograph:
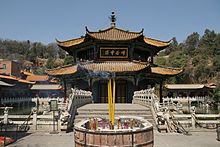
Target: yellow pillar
111 101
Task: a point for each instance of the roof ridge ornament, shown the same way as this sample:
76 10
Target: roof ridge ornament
113 19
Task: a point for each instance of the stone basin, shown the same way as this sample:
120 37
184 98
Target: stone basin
128 131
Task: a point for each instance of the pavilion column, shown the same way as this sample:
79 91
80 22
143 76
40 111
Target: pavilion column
90 84
136 82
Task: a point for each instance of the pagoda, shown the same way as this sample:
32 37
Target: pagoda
113 53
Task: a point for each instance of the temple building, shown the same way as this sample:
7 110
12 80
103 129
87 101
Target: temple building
126 56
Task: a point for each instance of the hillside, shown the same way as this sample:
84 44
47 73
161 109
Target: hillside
34 55
199 56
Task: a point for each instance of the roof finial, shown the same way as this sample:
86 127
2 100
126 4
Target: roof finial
113 19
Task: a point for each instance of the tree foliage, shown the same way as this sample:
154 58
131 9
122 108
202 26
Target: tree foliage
25 51
199 56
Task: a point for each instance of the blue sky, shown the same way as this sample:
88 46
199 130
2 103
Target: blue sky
45 20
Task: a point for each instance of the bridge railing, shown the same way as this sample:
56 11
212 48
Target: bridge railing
147 98
6 100
77 99
187 98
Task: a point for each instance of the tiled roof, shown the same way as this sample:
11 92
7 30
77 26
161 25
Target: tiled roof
165 71
114 34
2 83
27 73
115 66
66 70
8 77
123 66
71 42
25 81
46 87
184 86
156 43
16 79
37 78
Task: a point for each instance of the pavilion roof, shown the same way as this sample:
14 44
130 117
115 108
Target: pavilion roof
71 42
113 66
2 83
184 86
26 81
8 77
156 43
46 87
166 71
37 78
113 34
16 79
65 70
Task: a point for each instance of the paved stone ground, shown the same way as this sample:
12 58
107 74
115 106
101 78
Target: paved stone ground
45 139
197 139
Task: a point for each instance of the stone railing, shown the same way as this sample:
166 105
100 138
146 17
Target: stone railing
11 100
32 121
147 98
77 99
177 99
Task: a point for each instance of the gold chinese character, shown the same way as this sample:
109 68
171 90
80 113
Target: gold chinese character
112 52
106 52
123 53
117 52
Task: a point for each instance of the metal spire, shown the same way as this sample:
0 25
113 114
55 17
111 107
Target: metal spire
113 19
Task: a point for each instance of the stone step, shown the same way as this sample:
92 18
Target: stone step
118 107
77 119
106 116
101 110
116 112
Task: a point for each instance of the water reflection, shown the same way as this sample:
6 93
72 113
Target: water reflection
20 110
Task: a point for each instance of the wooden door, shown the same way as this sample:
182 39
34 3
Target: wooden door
120 95
103 92
121 91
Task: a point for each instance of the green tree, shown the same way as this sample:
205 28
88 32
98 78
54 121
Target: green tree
50 63
68 60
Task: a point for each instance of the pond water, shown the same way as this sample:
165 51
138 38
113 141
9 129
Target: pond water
20 110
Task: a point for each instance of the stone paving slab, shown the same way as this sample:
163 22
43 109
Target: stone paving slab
197 139
45 139
118 106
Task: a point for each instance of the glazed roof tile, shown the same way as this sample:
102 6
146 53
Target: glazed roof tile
26 81
65 70
115 66
166 71
46 87
71 42
124 66
2 83
37 78
16 79
114 34
8 77
184 86
156 43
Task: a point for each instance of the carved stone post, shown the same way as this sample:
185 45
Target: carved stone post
6 115
193 118
34 110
